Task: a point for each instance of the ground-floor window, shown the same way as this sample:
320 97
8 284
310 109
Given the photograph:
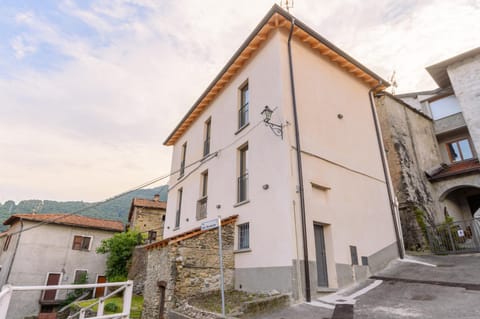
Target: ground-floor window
244 236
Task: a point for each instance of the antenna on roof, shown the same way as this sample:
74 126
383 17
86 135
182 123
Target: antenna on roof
287 5
393 82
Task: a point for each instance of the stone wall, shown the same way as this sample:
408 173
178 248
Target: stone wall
188 267
412 149
465 80
138 270
145 219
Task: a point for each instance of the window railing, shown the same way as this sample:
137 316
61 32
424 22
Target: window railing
177 219
182 168
242 188
206 147
202 208
243 116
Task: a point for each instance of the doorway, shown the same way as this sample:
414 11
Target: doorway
100 291
53 279
321 256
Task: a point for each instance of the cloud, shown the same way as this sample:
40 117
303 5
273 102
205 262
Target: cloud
100 84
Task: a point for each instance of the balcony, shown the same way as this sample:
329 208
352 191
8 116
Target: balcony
202 208
450 123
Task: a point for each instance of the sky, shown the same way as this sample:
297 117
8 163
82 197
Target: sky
90 89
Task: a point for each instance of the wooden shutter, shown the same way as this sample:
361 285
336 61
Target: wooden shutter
77 242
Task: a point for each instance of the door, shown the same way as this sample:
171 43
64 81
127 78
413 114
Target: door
322 278
52 280
100 291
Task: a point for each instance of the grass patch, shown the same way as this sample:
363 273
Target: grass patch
135 311
233 300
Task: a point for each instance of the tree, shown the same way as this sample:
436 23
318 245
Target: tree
119 249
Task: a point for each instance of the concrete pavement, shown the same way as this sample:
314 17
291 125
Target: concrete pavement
418 287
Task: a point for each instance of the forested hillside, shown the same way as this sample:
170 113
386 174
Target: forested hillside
116 209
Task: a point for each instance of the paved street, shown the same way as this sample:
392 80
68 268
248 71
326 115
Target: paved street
425 287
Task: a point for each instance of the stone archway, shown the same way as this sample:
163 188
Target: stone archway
461 201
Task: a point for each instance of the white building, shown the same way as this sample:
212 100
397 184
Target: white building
59 252
226 161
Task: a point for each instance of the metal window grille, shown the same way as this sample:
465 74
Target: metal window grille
202 208
244 236
242 187
243 116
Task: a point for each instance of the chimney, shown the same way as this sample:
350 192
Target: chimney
156 197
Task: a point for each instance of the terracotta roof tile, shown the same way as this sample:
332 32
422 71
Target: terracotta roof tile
142 202
460 168
70 220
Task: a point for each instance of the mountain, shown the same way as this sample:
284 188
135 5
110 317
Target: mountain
116 209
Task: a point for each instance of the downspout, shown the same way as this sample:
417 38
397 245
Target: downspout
15 251
385 170
300 171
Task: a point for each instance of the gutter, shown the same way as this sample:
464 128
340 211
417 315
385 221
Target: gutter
299 166
386 173
15 251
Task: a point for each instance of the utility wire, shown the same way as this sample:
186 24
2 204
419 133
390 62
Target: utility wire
148 183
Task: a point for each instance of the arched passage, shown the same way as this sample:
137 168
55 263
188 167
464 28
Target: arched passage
461 202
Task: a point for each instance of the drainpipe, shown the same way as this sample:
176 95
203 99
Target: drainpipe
385 170
15 251
300 172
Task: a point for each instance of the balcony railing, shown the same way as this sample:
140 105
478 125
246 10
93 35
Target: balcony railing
182 168
206 147
242 188
243 116
202 208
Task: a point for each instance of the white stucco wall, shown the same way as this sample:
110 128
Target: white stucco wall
49 249
465 80
356 206
268 211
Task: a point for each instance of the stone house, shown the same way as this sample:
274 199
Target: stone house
432 144
455 110
148 216
50 249
309 185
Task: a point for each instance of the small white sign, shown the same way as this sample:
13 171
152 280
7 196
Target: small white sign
460 233
209 224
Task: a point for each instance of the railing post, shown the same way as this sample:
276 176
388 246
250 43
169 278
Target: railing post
127 299
451 237
5 296
82 314
101 305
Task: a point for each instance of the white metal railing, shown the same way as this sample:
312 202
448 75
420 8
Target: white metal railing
7 290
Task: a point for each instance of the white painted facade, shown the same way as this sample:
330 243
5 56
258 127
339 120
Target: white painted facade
344 183
35 253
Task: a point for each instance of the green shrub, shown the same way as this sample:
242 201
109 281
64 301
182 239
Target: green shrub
111 307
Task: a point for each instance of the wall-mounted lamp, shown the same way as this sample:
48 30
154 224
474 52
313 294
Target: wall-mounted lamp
277 129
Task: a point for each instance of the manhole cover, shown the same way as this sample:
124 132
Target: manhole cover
423 297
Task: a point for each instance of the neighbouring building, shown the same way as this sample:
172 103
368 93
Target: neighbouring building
148 216
432 139
311 193
455 110
51 249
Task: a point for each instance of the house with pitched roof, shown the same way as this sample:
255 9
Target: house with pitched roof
308 182
148 216
51 249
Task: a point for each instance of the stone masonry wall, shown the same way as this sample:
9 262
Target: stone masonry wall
411 149
465 80
146 219
138 270
188 267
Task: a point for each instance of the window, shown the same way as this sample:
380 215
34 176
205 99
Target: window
81 242
182 162
206 142
7 242
242 183
244 102
460 150
444 107
80 277
202 202
244 236
179 208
